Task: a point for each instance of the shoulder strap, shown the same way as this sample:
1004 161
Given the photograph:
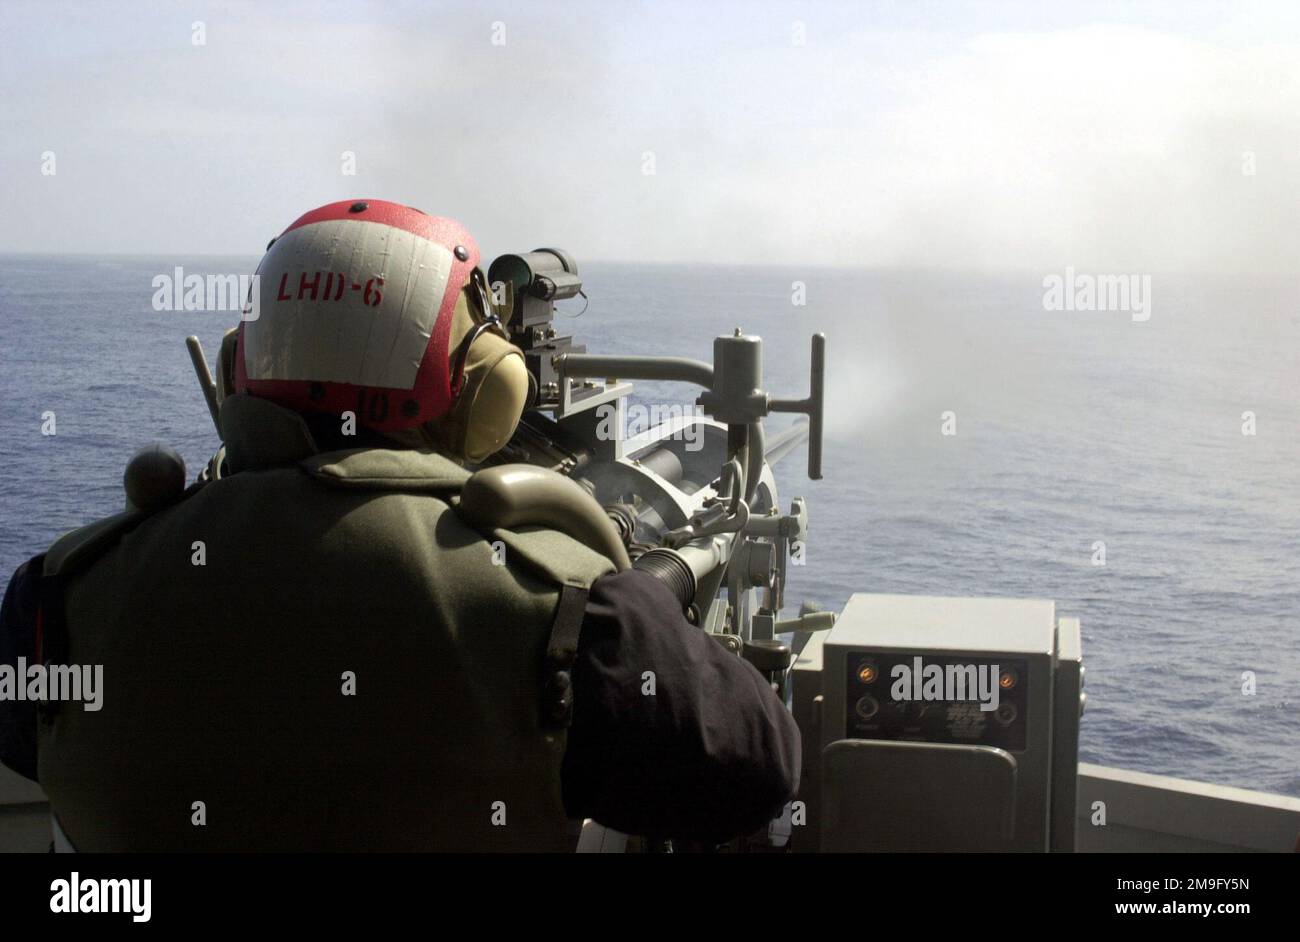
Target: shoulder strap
561 650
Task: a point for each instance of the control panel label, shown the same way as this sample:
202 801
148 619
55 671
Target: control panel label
961 700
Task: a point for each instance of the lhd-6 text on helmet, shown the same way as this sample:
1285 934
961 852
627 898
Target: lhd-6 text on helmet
379 309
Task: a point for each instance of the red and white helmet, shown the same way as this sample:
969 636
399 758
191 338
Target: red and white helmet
356 302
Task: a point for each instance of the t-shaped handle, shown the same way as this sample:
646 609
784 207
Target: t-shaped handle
813 406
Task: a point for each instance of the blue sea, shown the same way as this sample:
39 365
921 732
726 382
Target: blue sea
1073 429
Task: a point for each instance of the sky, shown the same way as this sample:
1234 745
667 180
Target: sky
1137 137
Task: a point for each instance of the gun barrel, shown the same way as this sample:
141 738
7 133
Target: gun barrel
205 377
785 442
665 369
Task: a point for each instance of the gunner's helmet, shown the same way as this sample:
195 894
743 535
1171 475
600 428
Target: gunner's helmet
381 310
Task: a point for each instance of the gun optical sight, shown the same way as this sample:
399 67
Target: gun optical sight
543 274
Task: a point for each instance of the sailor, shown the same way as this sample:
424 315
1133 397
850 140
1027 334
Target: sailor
317 651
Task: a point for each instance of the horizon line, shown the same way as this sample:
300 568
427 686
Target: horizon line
695 263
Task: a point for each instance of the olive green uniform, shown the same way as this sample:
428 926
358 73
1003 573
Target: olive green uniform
350 667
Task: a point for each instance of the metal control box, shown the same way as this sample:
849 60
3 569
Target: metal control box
916 703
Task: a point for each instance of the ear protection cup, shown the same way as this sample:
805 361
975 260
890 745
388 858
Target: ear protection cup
498 402
493 385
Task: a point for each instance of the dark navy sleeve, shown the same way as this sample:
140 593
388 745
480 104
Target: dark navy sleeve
673 736
18 616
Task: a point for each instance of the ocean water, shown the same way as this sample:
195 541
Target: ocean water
1072 429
